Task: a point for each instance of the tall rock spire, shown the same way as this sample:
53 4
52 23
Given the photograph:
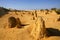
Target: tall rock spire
38 30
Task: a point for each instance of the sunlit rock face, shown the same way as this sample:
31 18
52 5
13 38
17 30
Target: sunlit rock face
39 30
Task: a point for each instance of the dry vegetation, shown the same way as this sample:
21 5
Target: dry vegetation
29 25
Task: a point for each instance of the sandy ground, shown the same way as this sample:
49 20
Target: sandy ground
24 33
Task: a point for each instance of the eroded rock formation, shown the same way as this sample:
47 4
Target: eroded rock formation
15 22
39 30
12 22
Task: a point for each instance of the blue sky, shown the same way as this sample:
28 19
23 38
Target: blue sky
30 4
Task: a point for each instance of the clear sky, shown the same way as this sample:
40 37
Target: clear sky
30 4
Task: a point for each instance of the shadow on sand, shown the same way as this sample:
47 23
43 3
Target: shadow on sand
52 32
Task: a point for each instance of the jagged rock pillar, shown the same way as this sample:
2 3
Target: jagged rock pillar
38 30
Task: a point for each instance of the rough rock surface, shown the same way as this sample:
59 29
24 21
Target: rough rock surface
39 30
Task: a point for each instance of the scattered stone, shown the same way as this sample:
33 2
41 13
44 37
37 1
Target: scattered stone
58 19
18 23
33 18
